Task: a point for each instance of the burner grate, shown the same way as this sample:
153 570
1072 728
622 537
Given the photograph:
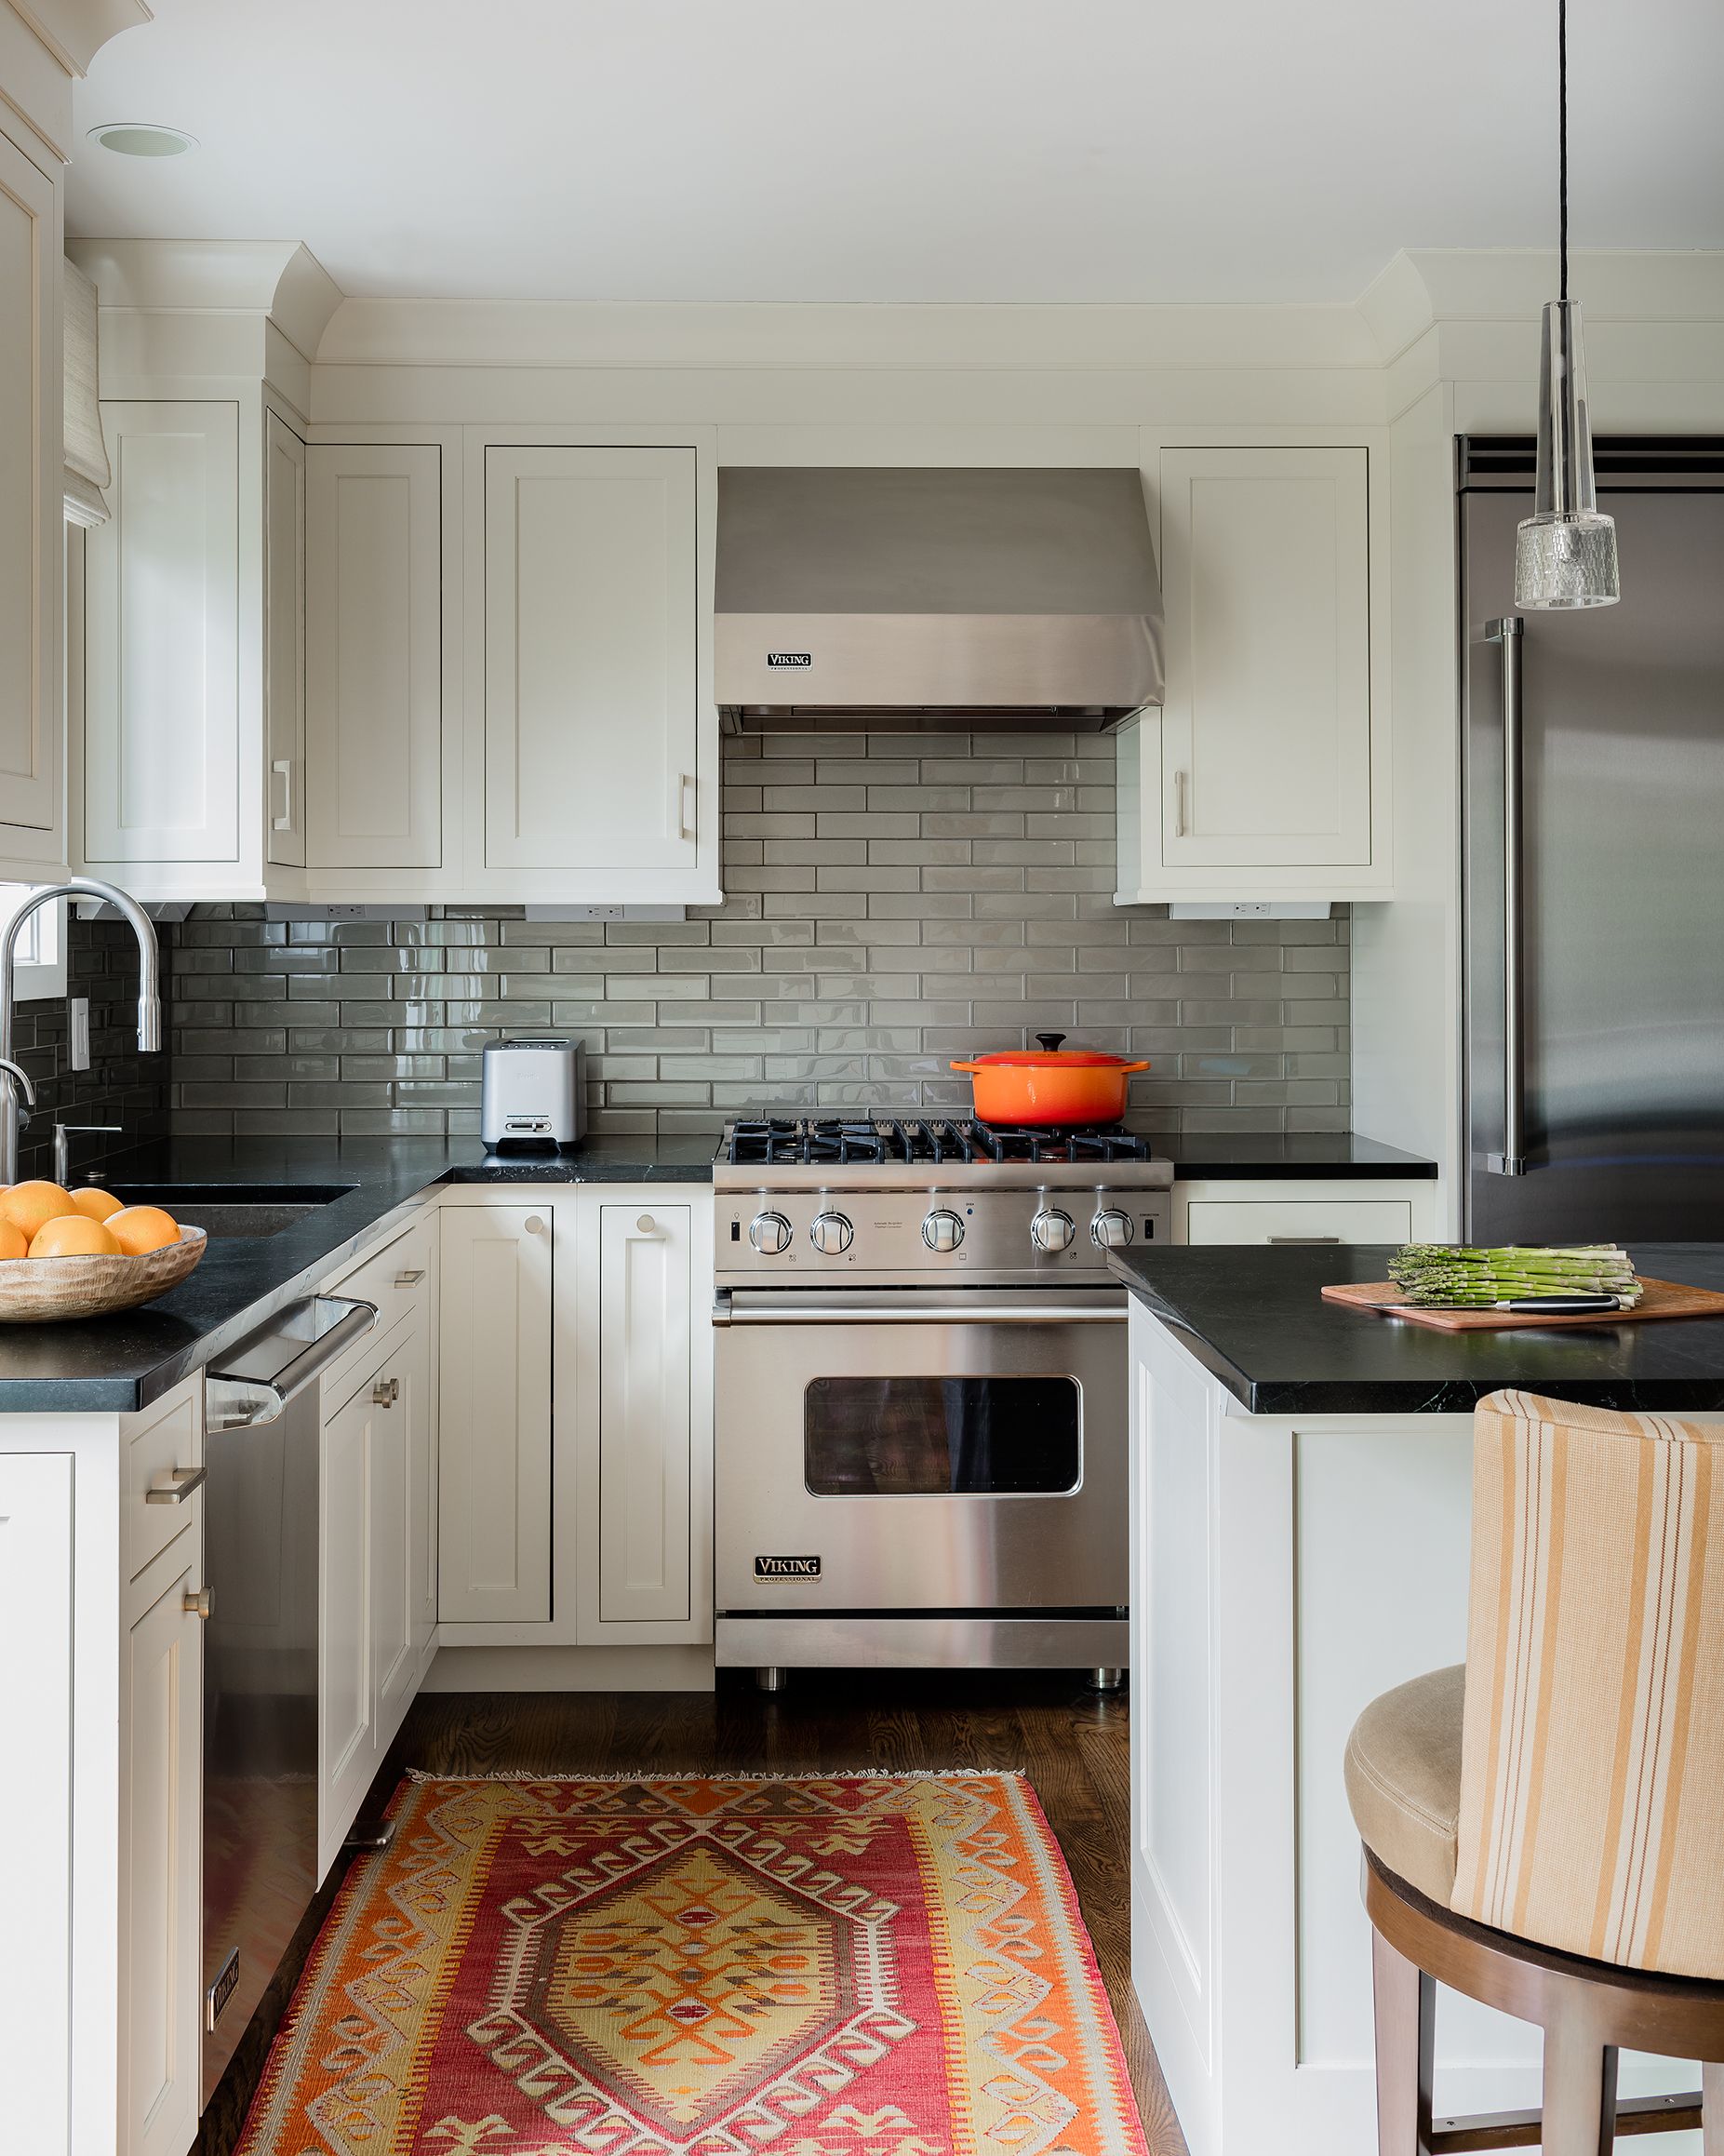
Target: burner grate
912 1141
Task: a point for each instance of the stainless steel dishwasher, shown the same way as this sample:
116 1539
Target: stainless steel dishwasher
261 1526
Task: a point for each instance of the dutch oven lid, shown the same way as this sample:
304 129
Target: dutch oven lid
1051 1052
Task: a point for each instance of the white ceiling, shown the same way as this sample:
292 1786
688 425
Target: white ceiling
914 149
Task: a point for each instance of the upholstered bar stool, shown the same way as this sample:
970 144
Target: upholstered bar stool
1544 1825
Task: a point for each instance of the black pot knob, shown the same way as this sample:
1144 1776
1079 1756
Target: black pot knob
1051 1042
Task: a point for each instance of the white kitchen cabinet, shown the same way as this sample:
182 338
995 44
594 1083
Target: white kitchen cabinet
376 1470
161 1822
375 656
284 638
1295 1211
593 735
36 1696
494 1435
161 702
641 1434
1264 776
31 724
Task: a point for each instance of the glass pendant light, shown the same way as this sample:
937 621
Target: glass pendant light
1565 553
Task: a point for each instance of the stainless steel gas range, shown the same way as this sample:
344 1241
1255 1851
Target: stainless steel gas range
920 1367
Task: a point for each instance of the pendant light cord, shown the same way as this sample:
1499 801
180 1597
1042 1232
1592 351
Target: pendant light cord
1562 144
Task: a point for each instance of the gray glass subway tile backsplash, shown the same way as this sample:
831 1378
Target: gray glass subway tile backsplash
894 902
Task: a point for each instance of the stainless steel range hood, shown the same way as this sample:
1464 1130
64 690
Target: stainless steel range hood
928 599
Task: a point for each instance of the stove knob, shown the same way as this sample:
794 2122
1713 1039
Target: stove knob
943 1230
830 1232
770 1233
1052 1229
1111 1230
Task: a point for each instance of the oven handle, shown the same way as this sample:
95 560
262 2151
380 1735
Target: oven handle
724 1313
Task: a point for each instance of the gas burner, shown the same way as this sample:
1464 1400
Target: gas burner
915 1141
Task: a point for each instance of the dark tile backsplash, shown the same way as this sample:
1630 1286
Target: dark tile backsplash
894 901
121 1086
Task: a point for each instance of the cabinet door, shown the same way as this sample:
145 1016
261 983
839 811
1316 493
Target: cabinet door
31 721
590 658
1265 732
645 1427
161 625
494 1414
162 1909
284 630
36 1799
374 656
346 1695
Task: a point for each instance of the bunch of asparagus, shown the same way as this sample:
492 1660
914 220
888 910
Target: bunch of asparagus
1453 1277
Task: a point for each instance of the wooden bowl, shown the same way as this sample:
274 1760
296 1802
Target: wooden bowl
49 1290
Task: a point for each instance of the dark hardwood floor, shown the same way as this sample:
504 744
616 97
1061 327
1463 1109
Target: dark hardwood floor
1071 1743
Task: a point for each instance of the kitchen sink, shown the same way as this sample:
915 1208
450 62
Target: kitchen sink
227 1211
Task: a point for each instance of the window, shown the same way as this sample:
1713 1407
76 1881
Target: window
41 946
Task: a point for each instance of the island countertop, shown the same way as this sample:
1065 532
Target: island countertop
119 1363
1254 1316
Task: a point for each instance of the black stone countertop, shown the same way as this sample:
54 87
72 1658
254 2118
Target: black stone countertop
1254 1316
115 1364
1268 1156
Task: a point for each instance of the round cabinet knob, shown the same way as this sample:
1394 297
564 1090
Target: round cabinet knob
1052 1229
533 1224
1111 1230
943 1230
830 1232
770 1233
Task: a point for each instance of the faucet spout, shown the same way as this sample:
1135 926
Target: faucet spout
149 993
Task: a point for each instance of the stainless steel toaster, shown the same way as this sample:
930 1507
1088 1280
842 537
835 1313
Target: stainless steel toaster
533 1093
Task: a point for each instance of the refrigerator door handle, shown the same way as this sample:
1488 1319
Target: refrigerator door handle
1511 1160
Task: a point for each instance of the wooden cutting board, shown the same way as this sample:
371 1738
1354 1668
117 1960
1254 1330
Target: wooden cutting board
1658 1299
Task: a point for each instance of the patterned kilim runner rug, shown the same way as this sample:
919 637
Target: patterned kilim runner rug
864 1966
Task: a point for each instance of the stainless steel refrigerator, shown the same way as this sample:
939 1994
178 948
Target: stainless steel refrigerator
1592 776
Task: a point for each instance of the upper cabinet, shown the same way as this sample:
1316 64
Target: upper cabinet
374 738
1264 776
31 824
284 638
591 730
161 682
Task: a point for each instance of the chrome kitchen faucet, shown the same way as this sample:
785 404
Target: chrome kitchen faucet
149 994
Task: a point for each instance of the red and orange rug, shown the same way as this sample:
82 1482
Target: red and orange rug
864 1966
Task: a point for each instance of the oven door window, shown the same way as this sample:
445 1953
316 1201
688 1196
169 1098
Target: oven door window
942 1437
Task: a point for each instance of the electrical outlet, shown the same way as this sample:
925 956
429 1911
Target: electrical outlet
78 1033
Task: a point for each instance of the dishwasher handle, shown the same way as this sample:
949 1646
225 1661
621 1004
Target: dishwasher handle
235 1401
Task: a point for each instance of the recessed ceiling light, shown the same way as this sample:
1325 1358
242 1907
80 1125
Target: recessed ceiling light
143 139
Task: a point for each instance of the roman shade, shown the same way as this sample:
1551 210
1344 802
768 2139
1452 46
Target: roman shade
85 452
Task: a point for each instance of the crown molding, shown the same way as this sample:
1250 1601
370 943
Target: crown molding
76 31
624 335
278 279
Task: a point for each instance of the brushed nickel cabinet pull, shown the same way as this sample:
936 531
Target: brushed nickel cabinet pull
198 1602
387 1391
184 1481
412 1278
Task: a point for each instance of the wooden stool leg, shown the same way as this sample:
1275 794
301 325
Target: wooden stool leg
1580 2090
1712 2111
1405 2001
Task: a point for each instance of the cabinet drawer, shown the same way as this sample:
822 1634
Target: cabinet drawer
1345 1220
163 1449
395 1278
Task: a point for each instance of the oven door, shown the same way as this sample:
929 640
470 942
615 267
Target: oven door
927 1451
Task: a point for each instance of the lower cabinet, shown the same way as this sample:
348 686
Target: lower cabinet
161 1823
575 1418
1296 1212
499 1275
377 1477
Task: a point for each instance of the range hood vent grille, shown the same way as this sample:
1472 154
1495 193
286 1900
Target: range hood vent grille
926 599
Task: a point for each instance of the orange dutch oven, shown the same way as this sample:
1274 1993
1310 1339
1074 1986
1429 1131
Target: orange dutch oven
1049 1085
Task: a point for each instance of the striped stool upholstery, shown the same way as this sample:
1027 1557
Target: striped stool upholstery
1546 1829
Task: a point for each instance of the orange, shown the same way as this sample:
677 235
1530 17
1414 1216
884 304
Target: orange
98 1204
27 1205
12 1242
138 1229
73 1235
